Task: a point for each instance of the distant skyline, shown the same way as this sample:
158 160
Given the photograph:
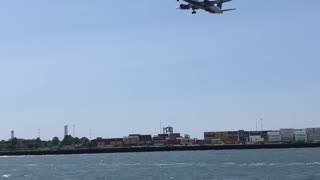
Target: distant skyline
123 67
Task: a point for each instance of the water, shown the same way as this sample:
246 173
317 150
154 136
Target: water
236 164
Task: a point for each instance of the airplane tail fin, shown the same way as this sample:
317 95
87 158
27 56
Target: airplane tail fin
224 10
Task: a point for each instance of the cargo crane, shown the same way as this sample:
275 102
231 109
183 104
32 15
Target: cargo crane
168 130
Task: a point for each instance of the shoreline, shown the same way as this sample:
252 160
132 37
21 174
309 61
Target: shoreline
156 149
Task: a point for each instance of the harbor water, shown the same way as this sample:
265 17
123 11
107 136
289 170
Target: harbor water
228 164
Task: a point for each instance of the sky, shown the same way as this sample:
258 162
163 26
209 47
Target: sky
124 67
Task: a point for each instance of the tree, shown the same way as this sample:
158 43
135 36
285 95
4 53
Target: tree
38 143
85 142
55 141
67 141
76 140
13 143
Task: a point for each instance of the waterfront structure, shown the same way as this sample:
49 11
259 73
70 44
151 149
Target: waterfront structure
12 134
66 133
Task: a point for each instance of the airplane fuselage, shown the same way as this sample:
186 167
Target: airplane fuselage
211 6
200 5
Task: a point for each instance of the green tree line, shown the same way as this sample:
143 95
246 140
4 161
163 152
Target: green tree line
35 144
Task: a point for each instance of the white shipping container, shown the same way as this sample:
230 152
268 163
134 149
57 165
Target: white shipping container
299 132
302 135
256 139
273 133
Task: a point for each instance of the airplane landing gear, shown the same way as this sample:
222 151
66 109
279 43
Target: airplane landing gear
193 11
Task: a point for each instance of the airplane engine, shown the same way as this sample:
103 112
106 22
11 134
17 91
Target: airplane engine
184 6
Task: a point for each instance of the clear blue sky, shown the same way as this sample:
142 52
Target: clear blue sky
123 67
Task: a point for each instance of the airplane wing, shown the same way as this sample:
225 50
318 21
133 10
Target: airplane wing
229 9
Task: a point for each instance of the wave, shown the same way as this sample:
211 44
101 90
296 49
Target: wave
173 164
257 164
6 175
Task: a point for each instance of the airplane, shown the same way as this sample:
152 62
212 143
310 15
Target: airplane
214 7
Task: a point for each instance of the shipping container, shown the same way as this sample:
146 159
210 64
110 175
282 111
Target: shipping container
313 130
163 135
243 136
287 139
171 142
286 131
174 135
231 140
274 138
232 133
300 137
159 138
313 137
145 138
273 133
131 141
114 142
219 135
287 135
299 132
214 141
256 139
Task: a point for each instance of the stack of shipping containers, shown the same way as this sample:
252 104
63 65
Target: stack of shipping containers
159 140
313 134
255 137
174 136
255 133
114 142
264 135
131 140
215 137
274 136
232 137
300 135
145 140
174 139
287 135
243 136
